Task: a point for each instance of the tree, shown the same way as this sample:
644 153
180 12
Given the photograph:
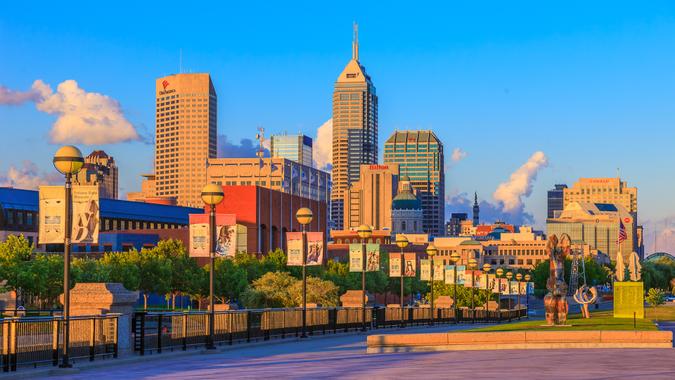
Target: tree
658 273
86 269
183 268
15 253
655 297
273 289
463 294
121 267
250 264
596 274
229 279
154 271
319 291
42 278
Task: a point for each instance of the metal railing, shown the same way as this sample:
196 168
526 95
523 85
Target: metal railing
39 340
160 331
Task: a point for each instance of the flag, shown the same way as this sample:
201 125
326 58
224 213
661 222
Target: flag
622 232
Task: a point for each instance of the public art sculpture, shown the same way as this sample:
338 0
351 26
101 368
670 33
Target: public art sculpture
555 302
634 267
585 296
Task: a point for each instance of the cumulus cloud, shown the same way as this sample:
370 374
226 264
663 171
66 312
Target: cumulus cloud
27 176
323 146
489 212
245 149
82 117
510 193
458 155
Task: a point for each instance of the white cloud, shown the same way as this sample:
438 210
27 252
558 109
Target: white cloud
458 155
82 117
519 185
27 176
323 146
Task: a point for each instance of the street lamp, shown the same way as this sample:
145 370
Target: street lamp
431 252
527 294
212 194
402 242
499 272
365 232
304 217
455 257
518 278
486 269
68 161
472 265
509 276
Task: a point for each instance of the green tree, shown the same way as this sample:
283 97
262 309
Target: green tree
15 254
658 273
250 264
319 291
121 267
184 269
154 271
463 294
42 278
86 269
273 289
655 297
229 279
596 274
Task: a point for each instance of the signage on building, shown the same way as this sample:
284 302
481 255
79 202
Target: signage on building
379 167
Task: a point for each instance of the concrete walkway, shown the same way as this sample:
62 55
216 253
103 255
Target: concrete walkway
345 357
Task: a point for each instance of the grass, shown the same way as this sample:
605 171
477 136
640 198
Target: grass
601 320
661 313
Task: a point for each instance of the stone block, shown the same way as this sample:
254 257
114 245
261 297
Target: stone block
352 298
562 336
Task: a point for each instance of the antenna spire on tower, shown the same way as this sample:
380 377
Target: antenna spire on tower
355 43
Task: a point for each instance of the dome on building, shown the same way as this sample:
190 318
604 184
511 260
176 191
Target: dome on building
406 201
470 242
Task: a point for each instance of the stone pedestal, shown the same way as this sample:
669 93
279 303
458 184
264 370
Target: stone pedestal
443 302
105 298
352 298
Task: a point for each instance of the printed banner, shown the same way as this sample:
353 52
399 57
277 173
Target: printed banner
86 218
468 280
410 261
294 248
461 274
513 287
479 280
523 288
373 257
494 285
425 270
52 210
200 239
530 288
355 258
394 265
450 274
315 252
504 286
439 270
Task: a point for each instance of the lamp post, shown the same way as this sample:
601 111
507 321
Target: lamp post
527 294
486 269
509 276
431 252
68 161
518 278
455 257
365 232
472 265
304 217
499 272
212 194
402 242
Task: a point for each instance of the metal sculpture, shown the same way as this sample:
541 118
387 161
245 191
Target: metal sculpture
585 296
634 267
555 302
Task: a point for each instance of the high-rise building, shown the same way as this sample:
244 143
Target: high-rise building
100 169
186 136
296 148
419 155
476 210
603 190
368 200
555 200
454 227
354 129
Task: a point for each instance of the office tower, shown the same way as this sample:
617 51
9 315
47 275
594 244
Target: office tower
354 129
186 136
603 190
406 210
368 200
100 169
296 148
454 227
476 210
555 200
419 155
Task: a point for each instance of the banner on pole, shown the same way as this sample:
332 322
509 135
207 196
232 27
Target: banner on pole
439 270
86 214
522 288
355 258
410 265
494 285
513 287
503 286
450 274
530 288
373 257
461 274
200 239
425 270
294 248
315 250
394 265
52 210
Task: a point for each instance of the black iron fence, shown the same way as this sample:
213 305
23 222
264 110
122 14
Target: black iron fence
160 331
30 341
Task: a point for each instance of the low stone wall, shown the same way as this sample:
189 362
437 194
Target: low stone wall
512 340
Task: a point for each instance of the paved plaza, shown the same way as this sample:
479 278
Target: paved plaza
344 357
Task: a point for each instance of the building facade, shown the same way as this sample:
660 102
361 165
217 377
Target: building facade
279 174
419 155
186 136
406 210
603 190
555 200
100 169
368 200
297 148
355 128
454 227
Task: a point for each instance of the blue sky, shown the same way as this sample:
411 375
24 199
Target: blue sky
590 84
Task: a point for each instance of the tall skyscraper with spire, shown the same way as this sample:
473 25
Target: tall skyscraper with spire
354 129
476 210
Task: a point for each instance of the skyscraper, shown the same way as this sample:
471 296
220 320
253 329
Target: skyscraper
368 200
186 136
354 129
603 190
419 155
100 169
555 200
296 148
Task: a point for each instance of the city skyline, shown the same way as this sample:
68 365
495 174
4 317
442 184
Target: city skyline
586 117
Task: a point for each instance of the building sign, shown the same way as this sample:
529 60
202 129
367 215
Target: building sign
410 265
294 248
355 258
373 257
200 239
315 252
425 270
379 167
394 265
629 299
52 215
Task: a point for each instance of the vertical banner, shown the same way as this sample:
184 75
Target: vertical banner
450 274
315 250
513 287
439 270
523 288
503 286
373 257
410 265
226 241
468 280
294 248
86 218
494 285
52 215
200 239
530 288
461 274
355 258
479 280
425 270
394 265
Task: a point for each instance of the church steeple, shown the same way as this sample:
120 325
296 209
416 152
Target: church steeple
355 43
476 209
